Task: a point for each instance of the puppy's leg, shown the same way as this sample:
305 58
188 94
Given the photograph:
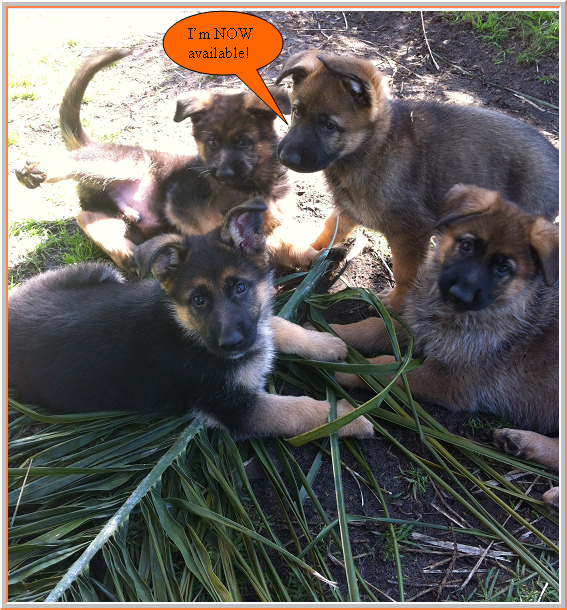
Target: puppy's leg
369 336
290 338
529 445
431 382
551 498
532 446
287 416
109 234
346 226
354 381
100 169
290 250
408 251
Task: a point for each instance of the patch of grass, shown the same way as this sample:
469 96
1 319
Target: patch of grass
401 533
538 30
547 80
523 587
109 137
13 138
416 478
37 245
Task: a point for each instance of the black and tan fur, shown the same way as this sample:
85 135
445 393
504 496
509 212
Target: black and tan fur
484 312
200 338
129 194
389 162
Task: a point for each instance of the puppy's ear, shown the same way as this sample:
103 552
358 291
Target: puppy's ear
259 108
463 201
192 104
544 239
351 75
162 255
242 226
281 97
298 66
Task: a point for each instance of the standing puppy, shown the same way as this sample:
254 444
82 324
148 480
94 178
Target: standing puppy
484 314
129 194
389 163
201 338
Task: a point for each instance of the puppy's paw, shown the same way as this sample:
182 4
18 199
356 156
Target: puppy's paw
509 441
349 380
360 427
324 346
31 175
393 299
551 498
528 445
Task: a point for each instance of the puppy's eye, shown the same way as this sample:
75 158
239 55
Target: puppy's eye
212 142
240 288
296 112
198 300
243 142
330 126
503 269
467 245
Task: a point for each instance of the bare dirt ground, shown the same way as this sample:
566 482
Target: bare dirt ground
136 100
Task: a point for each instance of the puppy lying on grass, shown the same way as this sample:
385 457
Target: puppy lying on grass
200 337
484 312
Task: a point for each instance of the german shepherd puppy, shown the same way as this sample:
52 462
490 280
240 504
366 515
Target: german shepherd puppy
128 194
202 337
484 313
389 163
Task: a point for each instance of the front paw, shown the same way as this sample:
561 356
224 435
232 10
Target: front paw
392 298
551 498
31 175
326 347
360 427
351 381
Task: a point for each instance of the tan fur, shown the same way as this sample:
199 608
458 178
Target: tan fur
109 234
389 162
291 338
502 358
289 415
344 230
158 192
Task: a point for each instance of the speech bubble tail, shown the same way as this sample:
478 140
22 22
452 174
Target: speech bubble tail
255 82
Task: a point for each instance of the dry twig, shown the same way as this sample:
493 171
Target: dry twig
427 43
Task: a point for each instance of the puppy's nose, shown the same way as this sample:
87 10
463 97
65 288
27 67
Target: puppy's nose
224 172
462 294
231 342
290 159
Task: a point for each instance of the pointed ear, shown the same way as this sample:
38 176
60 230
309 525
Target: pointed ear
464 200
281 97
544 239
162 255
298 66
354 80
191 104
242 226
258 107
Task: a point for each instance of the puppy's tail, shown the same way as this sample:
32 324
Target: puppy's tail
72 131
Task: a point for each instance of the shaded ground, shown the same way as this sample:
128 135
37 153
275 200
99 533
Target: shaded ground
134 101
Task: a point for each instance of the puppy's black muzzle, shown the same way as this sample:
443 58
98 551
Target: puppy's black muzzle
467 285
302 151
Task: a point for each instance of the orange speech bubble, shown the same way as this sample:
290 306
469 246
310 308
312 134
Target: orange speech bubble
226 42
